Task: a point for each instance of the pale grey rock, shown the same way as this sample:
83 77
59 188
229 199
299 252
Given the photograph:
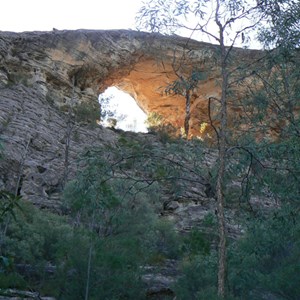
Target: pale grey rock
27 118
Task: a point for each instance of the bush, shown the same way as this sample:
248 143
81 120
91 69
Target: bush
12 280
195 243
33 237
115 272
125 237
267 259
199 278
166 132
87 112
121 233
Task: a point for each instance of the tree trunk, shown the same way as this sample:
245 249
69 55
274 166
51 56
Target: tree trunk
221 170
187 113
221 223
69 130
89 265
87 287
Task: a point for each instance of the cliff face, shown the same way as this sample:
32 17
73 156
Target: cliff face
140 64
43 74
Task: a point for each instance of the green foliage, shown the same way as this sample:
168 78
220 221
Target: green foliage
115 272
11 280
122 231
113 204
267 259
199 278
196 243
33 236
154 120
198 266
265 262
170 16
209 220
4 263
158 168
283 178
87 112
166 133
166 243
123 234
8 204
182 85
282 28
29 243
272 110
155 123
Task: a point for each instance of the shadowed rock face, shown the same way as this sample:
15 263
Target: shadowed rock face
141 64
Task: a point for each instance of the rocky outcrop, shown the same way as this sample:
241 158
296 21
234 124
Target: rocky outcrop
141 64
12 294
34 135
46 77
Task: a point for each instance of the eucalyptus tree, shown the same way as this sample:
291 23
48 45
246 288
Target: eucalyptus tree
283 26
226 23
184 86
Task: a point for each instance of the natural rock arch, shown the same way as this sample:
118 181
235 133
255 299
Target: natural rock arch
86 62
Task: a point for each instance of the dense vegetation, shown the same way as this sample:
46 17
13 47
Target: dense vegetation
110 231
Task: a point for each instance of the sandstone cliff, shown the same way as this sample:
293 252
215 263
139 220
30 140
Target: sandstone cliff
140 64
43 74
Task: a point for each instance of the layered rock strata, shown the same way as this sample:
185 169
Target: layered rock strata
84 63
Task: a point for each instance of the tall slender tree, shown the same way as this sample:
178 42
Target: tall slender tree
228 23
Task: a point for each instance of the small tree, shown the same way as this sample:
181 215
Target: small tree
117 214
184 86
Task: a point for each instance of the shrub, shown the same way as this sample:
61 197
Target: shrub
199 278
87 112
267 259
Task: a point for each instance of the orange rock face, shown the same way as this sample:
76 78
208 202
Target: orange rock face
84 63
147 84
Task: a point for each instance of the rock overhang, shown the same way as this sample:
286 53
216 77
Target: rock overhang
61 64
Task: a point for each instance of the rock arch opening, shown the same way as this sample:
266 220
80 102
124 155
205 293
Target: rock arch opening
140 64
120 110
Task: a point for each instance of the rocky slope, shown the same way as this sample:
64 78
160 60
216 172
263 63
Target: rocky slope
43 74
35 137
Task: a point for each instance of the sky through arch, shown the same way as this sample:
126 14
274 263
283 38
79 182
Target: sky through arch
129 115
